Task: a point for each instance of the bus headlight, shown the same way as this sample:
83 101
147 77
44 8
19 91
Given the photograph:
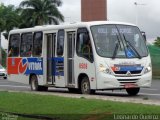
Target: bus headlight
104 69
148 69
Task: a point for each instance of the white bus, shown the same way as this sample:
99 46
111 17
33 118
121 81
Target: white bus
83 57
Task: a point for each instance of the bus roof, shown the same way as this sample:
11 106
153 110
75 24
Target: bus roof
65 26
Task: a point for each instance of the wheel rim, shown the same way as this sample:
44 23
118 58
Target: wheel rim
85 87
33 84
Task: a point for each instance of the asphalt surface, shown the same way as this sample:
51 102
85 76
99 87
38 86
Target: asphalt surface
152 93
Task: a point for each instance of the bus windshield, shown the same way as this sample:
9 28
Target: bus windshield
119 41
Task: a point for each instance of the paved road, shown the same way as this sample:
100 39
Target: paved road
152 93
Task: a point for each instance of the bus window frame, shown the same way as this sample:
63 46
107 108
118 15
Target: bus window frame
31 44
9 49
33 39
83 30
57 40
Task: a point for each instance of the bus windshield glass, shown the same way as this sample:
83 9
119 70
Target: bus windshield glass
119 41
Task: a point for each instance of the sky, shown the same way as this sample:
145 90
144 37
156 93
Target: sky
146 14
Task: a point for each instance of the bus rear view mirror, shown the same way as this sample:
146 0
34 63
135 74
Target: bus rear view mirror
144 35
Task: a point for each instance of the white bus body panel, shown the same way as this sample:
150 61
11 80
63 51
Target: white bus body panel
20 78
89 70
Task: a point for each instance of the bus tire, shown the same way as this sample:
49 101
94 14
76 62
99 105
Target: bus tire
34 83
85 87
5 77
132 91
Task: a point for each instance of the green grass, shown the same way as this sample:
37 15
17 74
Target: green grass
69 108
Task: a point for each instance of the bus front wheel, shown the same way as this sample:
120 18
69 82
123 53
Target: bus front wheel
85 87
132 91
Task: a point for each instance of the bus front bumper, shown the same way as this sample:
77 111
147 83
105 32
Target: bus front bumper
106 81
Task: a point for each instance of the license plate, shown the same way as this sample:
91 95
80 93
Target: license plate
129 85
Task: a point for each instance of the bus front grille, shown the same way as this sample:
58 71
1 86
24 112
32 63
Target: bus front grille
125 72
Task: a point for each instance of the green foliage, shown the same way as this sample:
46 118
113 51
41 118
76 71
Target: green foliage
4 56
155 57
29 14
157 42
9 17
40 12
2 21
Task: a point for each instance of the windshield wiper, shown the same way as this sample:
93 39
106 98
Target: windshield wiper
133 48
115 51
116 48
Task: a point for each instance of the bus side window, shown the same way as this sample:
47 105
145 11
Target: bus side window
26 45
14 42
60 42
84 47
37 44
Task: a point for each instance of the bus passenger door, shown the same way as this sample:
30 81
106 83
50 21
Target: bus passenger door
70 58
50 58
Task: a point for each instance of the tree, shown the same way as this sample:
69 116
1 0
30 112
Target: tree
157 42
2 22
9 17
41 12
